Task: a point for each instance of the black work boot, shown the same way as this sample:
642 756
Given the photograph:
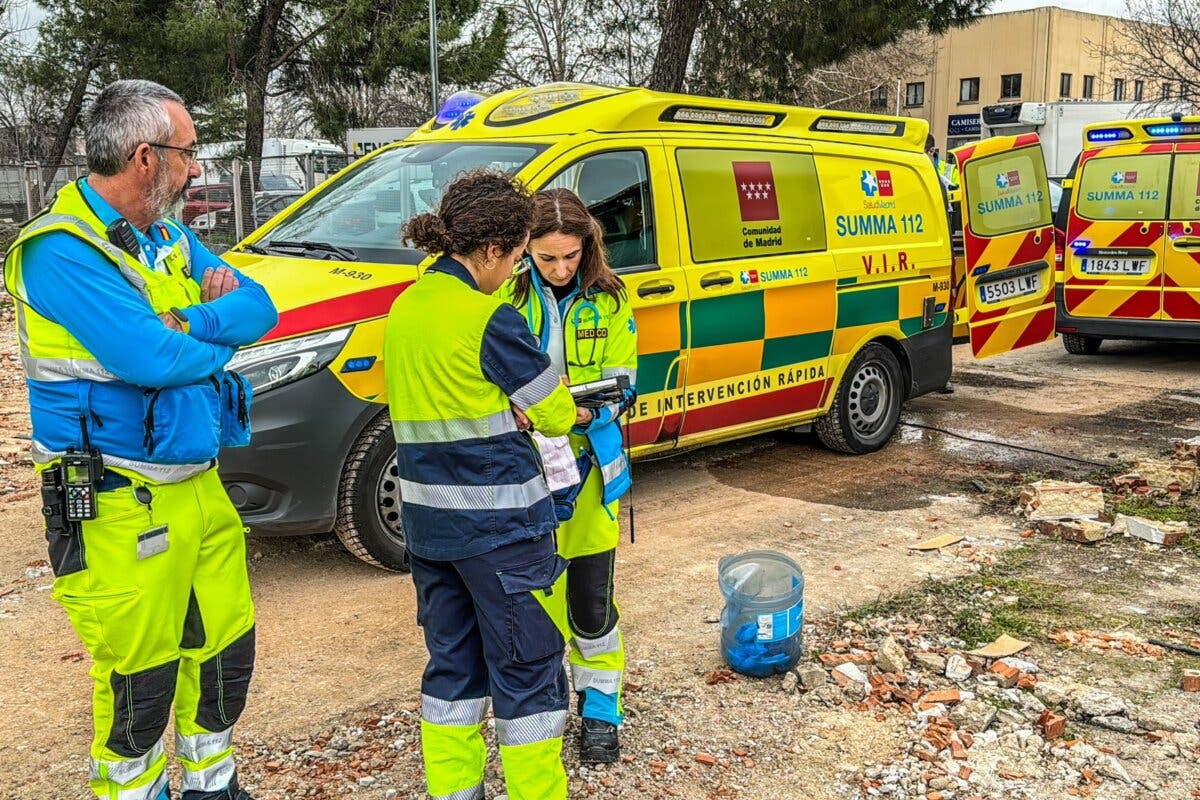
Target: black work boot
598 743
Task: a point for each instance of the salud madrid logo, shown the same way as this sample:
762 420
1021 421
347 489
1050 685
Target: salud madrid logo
749 276
1120 178
1008 180
876 182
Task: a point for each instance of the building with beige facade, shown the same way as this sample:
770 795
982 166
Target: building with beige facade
1040 55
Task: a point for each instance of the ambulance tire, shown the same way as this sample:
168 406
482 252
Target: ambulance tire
368 500
1078 345
866 408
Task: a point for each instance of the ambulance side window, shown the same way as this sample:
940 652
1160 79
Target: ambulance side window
615 186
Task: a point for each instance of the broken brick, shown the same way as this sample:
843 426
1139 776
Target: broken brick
1026 681
837 659
1191 680
1006 674
947 696
957 751
705 758
1052 724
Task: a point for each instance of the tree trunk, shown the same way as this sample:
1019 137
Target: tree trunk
675 46
256 100
69 118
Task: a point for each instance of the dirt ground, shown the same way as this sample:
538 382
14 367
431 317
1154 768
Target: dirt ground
333 707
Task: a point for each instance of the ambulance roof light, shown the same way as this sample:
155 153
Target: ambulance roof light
1172 129
456 105
1109 134
861 126
716 116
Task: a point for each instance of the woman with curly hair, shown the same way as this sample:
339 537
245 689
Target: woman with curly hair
465 382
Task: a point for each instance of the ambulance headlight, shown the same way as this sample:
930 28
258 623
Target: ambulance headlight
269 366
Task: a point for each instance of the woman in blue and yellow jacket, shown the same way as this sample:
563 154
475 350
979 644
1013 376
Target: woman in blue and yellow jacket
578 309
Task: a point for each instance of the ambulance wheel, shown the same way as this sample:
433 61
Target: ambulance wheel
368 507
866 408
1078 345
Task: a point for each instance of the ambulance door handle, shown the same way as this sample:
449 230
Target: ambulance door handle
716 279
647 290
1186 243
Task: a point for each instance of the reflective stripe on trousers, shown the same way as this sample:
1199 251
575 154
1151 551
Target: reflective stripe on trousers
151 791
125 770
454 712
602 680
212 778
608 643
533 728
203 745
470 793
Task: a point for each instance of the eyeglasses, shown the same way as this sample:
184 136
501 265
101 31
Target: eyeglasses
188 153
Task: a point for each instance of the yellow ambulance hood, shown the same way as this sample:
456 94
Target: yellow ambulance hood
313 295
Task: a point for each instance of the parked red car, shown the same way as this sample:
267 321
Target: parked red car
206 199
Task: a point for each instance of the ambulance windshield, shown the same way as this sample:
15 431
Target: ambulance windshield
365 210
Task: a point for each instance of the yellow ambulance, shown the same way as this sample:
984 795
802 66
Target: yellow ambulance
787 267
1131 267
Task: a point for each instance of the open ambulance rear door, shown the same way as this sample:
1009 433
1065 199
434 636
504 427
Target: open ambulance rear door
1008 243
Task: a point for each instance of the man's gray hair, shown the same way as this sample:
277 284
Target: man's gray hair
124 115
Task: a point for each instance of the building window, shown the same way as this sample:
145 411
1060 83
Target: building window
1010 86
1166 91
1184 93
968 90
1089 87
914 94
1118 88
879 97
1064 84
1139 88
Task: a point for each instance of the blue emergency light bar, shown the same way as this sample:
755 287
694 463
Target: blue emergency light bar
1109 135
456 105
1172 129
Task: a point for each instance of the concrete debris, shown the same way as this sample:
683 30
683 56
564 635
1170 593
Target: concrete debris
973 715
931 662
811 676
957 668
1166 474
847 674
890 657
1115 723
1058 500
1021 665
1083 531
1098 703
1166 533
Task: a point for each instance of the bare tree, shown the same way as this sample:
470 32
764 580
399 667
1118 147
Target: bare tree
852 84
601 41
1159 43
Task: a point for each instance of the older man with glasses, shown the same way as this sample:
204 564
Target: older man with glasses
126 322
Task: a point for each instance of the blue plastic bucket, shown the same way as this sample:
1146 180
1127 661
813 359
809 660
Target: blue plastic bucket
764 612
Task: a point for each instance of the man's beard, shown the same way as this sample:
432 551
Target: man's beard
161 202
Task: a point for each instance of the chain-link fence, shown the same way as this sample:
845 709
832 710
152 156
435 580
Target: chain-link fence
229 200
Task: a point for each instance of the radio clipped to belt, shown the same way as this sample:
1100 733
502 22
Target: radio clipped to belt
68 498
